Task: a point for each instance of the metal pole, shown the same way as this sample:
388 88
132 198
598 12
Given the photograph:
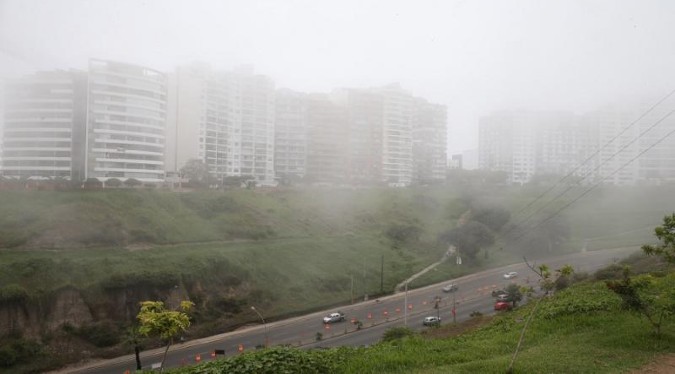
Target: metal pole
454 311
264 324
405 306
382 275
352 278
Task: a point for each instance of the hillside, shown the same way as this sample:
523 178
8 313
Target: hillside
75 264
579 330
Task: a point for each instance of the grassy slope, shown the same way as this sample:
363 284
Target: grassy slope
580 330
316 233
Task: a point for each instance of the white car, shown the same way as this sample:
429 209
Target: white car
450 288
431 321
334 317
510 275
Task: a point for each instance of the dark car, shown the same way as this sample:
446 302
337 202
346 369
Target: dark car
503 297
496 293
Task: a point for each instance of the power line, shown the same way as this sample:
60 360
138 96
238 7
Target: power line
599 182
596 152
514 227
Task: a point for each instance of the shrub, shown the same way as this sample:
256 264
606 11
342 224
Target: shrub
102 334
13 293
396 333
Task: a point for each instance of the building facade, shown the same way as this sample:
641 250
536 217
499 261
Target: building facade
225 119
126 122
616 146
290 135
44 126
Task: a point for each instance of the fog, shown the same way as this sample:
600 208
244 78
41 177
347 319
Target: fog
473 56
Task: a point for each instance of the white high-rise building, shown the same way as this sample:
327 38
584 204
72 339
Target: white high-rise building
397 163
44 120
429 136
126 122
606 146
225 119
290 134
525 143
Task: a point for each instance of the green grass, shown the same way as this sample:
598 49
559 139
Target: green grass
580 330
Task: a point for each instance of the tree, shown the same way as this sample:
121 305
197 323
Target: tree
468 238
133 338
197 171
132 182
653 298
113 182
492 217
92 183
544 274
666 234
156 320
513 293
234 180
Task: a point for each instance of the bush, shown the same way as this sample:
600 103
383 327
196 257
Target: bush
13 293
613 271
102 334
396 333
19 350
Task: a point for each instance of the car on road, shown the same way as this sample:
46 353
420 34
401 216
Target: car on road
450 287
334 317
496 293
502 305
510 275
431 321
503 297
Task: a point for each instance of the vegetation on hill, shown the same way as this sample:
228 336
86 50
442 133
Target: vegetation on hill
582 329
286 251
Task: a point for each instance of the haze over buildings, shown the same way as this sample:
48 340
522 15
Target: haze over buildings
475 57
124 121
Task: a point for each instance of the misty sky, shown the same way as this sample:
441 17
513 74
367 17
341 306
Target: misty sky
473 56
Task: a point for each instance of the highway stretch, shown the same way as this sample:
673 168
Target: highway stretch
376 316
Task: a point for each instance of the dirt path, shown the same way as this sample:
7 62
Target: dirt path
664 364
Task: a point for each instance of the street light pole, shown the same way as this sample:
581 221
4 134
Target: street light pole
405 306
264 324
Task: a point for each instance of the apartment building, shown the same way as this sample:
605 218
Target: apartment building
126 122
610 145
44 123
223 118
328 133
525 143
290 134
365 137
429 134
397 163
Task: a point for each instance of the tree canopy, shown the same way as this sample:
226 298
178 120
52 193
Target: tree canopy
666 234
155 320
469 238
197 171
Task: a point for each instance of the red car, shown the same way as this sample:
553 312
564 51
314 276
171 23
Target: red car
502 305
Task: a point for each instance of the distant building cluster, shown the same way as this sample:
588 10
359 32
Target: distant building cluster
124 121
617 146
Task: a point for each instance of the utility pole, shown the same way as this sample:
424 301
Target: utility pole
405 306
382 275
454 311
352 278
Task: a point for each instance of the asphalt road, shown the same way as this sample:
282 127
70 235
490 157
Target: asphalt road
474 294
